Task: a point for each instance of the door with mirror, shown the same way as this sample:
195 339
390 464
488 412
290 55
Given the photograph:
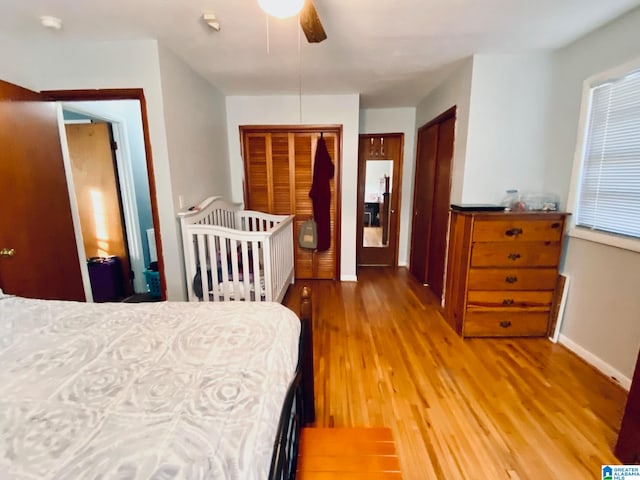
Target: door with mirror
379 181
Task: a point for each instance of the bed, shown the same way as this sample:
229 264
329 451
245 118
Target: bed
234 254
158 390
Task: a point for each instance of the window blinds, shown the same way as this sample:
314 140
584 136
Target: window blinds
609 195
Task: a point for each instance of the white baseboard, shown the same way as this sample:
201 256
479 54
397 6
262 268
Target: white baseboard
348 278
597 362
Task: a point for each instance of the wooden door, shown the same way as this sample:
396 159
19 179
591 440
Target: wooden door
35 212
427 150
437 251
278 176
379 192
432 190
95 179
309 263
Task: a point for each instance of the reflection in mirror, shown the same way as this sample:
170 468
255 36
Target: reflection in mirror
377 202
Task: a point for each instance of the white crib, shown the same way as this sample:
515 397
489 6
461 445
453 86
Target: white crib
247 255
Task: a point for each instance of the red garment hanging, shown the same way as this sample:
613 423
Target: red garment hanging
323 170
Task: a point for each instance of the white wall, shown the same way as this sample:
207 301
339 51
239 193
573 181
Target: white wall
316 109
454 91
196 125
196 128
397 120
603 308
506 145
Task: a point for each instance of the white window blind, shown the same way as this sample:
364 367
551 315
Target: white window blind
609 191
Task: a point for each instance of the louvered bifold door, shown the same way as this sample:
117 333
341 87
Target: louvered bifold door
257 148
279 171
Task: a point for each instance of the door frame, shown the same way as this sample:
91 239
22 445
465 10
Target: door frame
397 187
446 115
124 94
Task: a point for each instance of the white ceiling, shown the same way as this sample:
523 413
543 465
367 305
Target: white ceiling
391 52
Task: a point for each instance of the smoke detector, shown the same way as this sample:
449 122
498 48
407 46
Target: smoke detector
211 20
54 23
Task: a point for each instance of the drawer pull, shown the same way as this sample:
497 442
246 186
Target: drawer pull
555 225
513 232
507 301
514 256
511 279
505 324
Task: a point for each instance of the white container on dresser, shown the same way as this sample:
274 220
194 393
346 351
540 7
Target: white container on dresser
502 272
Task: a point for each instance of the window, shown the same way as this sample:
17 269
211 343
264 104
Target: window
607 198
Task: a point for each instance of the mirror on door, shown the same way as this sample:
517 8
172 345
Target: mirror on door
377 201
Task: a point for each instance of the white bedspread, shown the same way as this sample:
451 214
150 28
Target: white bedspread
138 391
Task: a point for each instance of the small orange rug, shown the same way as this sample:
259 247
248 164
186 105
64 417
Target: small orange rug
347 454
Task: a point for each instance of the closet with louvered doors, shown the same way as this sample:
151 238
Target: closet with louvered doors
278 169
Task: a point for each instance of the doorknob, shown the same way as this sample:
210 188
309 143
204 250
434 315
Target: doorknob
7 252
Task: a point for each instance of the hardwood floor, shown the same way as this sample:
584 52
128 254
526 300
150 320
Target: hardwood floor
458 409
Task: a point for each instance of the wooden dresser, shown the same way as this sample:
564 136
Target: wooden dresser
502 272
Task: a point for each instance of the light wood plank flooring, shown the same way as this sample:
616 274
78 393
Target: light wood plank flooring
472 409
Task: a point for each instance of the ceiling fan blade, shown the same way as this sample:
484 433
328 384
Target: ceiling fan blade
310 23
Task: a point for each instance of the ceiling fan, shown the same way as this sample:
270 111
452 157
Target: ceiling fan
309 19
310 23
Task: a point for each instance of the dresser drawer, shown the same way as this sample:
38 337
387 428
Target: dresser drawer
503 254
483 300
512 278
499 324
512 230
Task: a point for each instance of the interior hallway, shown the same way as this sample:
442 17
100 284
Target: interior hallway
472 409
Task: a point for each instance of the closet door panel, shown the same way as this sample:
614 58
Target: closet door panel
257 158
303 160
281 174
325 262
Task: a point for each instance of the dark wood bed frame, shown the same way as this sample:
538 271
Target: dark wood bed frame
298 408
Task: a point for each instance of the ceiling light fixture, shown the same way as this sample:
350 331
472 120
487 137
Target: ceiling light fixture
53 23
281 8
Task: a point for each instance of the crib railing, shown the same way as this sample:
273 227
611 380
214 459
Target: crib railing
239 254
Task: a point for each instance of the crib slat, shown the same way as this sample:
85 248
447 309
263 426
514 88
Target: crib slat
190 264
213 265
224 267
246 270
202 263
257 274
235 271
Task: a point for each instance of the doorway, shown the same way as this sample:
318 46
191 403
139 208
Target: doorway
97 192
431 199
108 159
131 130
379 184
